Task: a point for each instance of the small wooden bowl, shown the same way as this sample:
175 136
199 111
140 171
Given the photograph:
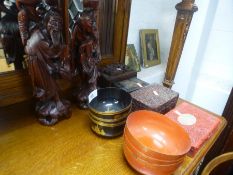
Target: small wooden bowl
157 136
109 109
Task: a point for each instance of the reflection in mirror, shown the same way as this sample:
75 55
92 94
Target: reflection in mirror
107 12
106 25
74 9
11 51
152 14
4 66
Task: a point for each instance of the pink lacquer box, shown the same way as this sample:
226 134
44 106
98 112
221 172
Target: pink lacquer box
199 124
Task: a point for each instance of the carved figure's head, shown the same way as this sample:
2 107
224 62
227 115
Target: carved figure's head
92 4
19 3
30 5
53 25
86 23
51 2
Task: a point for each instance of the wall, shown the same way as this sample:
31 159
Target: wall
205 74
209 80
153 14
195 37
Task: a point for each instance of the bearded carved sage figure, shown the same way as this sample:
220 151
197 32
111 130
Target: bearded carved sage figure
86 51
40 26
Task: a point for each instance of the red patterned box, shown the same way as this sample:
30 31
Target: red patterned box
199 124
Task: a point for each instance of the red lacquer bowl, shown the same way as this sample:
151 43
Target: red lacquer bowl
157 136
146 168
146 151
152 160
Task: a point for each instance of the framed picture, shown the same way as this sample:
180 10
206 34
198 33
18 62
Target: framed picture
131 58
150 50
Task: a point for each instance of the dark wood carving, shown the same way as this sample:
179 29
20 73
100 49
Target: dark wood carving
186 9
19 90
9 34
85 51
40 27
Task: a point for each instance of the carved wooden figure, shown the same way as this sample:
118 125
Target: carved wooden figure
85 51
41 33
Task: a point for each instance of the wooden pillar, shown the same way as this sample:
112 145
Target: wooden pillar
185 9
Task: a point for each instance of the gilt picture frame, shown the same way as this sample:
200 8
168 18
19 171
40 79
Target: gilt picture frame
131 58
150 48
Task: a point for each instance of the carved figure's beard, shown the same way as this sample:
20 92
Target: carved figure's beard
56 38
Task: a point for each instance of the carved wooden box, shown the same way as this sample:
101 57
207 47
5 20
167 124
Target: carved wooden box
114 73
154 97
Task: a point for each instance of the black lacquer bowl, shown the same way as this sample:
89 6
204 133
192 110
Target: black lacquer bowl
109 109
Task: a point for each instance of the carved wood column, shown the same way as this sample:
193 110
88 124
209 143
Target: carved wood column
185 9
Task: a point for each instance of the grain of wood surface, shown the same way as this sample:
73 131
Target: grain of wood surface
70 147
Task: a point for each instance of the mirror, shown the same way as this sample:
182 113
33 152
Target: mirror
12 55
105 22
152 14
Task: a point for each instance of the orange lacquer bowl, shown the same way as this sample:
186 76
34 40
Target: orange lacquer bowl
156 136
152 160
146 168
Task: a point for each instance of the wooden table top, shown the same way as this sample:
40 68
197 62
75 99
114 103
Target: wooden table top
70 147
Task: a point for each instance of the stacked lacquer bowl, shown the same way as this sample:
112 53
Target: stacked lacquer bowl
153 144
109 109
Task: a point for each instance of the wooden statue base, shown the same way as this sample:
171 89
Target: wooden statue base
51 112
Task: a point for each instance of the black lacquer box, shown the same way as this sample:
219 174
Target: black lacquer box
154 97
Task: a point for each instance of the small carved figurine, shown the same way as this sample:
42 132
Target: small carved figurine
9 34
86 52
41 33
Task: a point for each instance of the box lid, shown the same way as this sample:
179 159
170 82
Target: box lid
154 95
